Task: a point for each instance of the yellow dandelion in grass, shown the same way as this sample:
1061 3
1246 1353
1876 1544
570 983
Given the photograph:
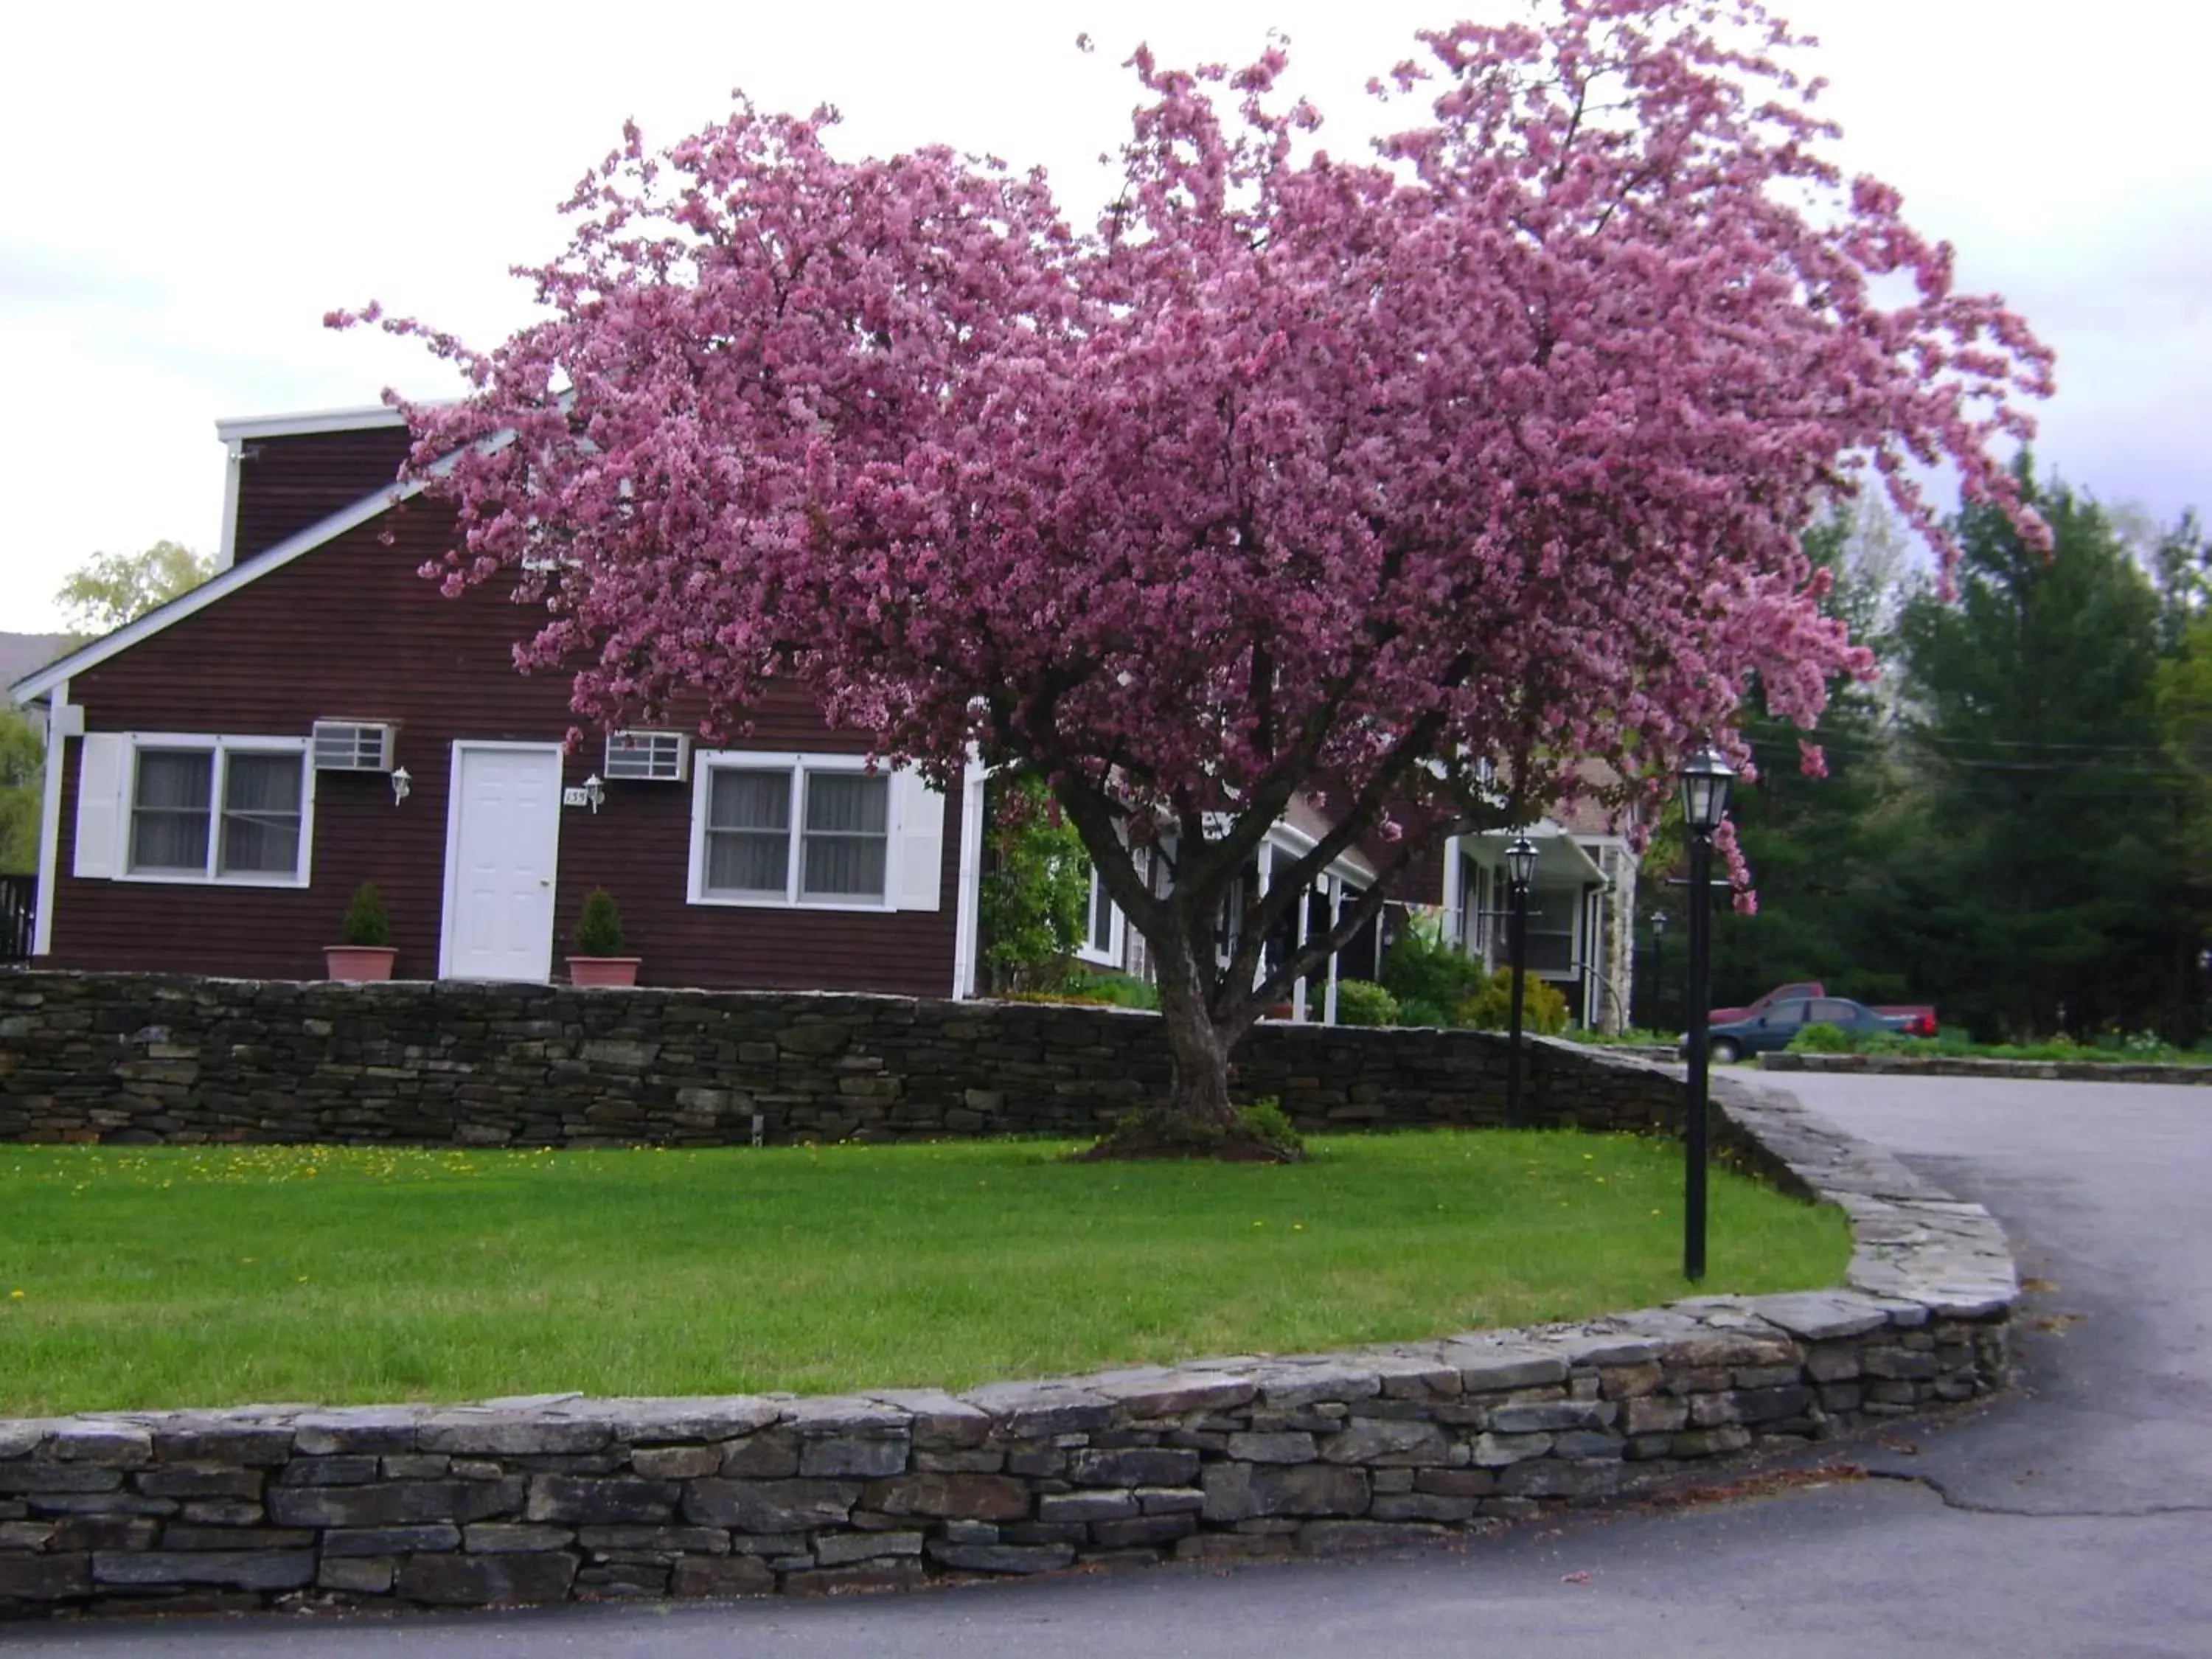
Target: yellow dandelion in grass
14 1296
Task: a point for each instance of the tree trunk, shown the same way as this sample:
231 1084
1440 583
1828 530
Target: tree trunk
1196 1118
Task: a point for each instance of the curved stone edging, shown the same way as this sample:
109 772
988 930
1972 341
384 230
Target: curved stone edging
561 1497
2072 1070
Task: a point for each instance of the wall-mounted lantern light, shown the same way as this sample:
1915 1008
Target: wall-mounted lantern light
402 784
595 791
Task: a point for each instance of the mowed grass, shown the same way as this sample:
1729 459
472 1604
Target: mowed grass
137 1279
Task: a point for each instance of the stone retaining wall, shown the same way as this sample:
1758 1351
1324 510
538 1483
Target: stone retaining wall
137 1058
2072 1070
563 1497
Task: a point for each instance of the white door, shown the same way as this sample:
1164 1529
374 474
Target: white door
503 839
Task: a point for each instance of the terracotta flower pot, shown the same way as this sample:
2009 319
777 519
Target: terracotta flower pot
359 962
603 971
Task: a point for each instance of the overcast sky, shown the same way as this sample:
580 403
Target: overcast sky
190 187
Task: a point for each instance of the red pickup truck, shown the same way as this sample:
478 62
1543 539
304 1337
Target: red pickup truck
1920 1016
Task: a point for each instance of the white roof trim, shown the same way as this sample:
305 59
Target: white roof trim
1298 842
1547 835
320 419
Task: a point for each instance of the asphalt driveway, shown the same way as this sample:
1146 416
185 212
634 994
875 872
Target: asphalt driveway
2073 1516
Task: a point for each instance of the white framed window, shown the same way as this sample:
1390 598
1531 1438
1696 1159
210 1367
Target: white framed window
186 807
1104 940
818 831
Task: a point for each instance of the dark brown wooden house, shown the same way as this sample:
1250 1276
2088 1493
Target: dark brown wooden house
226 770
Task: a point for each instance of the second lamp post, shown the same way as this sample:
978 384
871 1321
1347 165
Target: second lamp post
1705 780
1520 871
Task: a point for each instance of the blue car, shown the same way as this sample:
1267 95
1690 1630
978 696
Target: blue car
1772 1029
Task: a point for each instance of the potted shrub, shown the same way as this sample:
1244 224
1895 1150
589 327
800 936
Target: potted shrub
598 958
367 930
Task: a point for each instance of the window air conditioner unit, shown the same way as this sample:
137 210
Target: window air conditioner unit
646 756
353 745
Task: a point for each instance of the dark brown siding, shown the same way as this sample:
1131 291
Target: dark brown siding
285 484
351 630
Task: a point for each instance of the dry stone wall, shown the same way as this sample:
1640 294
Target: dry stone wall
561 1497
151 1059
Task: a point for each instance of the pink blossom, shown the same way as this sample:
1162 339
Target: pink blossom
1294 471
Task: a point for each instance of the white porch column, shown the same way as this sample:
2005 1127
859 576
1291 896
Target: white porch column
1335 909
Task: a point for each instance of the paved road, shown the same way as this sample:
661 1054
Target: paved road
2073 1518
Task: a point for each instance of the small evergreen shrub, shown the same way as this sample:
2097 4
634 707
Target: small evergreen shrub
598 925
1543 1009
366 921
1420 1011
1363 1002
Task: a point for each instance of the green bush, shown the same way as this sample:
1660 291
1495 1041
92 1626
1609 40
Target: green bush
1086 986
366 921
1421 968
1825 1039
1363 1002
1543 1008
1037 887
598 925
1265 1122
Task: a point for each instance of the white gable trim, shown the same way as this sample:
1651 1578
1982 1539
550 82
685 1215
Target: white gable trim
33 686
365 419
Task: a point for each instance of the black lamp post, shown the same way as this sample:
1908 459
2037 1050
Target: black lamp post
1706 781
1659 968
1520 871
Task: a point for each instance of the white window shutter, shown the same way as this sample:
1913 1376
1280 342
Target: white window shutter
102 774
921 842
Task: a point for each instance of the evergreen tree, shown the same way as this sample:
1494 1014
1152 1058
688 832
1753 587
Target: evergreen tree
2043 881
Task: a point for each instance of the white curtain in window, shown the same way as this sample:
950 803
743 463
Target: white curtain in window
749 832
169 810
847 832
260 814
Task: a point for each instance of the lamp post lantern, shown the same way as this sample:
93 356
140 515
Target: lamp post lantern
1705 780
1659 968
1520 871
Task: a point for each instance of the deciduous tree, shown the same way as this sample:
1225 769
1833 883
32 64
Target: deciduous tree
110 589
1296 473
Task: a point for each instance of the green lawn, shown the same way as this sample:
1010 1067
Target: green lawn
139 1278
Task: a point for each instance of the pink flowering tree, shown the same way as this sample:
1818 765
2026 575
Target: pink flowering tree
1404 483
